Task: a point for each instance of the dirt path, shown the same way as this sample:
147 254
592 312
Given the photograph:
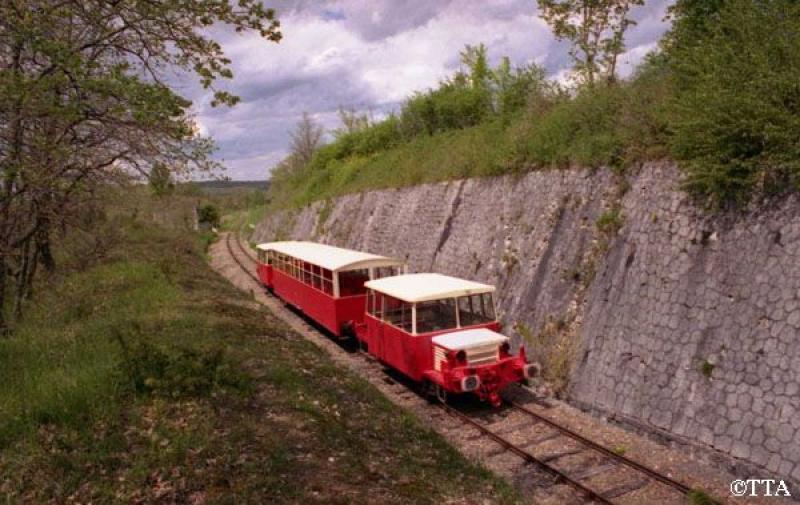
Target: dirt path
531 481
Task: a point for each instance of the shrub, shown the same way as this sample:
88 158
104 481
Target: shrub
610 221
582 131
208 214
736 113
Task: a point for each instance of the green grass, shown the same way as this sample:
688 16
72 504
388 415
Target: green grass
147 377
482 150
591 130
700 497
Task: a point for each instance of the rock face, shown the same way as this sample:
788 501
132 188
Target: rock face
682 323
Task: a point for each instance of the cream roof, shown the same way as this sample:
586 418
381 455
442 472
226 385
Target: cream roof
466 339
415 288
328 256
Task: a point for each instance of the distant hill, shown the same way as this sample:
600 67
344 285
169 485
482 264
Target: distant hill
230 186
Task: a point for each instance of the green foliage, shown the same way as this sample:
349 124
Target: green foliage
149 378
160 180
582 131
707 368
181 371
596 31
208 214
700 497
735 116
610 221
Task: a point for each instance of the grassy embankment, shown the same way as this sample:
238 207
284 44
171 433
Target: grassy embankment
146 377
720 98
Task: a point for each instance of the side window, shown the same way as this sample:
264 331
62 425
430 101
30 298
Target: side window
397 313
376 307
327 281
488 306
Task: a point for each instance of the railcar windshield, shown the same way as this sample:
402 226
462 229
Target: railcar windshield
475 309
436 315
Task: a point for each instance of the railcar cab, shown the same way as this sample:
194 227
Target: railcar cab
323 281
442 331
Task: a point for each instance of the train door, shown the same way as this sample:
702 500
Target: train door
396 336
375 324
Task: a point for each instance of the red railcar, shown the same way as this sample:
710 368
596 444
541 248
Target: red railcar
441 331
324 282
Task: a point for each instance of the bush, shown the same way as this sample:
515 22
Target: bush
736 113
179 371
208 214
610 221
583 131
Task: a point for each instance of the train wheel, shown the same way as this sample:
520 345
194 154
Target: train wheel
441 394
427 390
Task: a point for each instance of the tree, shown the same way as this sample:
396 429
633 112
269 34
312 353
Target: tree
306 138
352 121
596 29
83 102
208 214
476 60
160 180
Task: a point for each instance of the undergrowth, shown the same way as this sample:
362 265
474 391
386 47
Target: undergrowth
145 377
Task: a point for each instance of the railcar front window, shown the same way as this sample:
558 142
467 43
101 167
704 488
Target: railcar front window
475 309
436 315
351 282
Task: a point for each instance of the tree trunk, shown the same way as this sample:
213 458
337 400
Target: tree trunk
3 324
22 279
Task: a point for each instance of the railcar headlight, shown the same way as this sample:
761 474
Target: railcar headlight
532 370
505 349
470 383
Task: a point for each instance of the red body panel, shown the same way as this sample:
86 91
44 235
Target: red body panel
332 313
413 356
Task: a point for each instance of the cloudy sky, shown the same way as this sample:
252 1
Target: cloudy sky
370 55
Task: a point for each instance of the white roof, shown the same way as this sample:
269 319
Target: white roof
328 256
465 339
415 288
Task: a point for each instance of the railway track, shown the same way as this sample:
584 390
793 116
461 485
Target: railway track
519 431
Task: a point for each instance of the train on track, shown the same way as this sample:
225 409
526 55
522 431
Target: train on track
440 331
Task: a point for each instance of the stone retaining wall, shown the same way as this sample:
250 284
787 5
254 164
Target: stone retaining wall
682 323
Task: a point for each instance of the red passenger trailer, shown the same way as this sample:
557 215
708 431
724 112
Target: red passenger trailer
324 282
441 331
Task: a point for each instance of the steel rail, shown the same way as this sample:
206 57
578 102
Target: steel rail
605 451
239 261
527 456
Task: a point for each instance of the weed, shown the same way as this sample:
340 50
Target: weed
699 497
554 348
323 213
707 368
610 221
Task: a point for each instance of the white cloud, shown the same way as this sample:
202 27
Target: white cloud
339 53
